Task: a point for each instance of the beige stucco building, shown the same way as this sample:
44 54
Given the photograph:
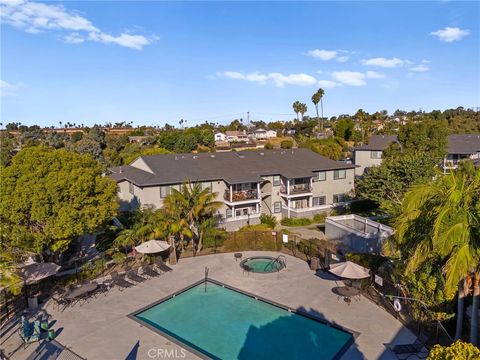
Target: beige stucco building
285 183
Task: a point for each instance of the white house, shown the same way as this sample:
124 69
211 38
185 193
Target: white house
220 137
262 134
236 136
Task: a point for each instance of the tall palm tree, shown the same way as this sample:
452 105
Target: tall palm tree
318 98
303 109
297 105
441 220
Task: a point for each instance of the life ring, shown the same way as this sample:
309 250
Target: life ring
396 305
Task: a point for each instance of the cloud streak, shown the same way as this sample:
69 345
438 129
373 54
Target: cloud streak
450 34
36 17
325 55
7 89
384 62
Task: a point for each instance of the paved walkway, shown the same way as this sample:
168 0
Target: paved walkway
100 329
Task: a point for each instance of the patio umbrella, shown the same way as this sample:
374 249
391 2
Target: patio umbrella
32 271
152 246
349 270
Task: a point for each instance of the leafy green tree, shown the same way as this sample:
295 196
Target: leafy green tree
7 146
344 128
49 197
459 350
168 139
187 143
329 148
286 144
440 221
87 145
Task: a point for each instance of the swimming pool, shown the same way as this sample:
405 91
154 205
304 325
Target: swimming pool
224 323
263 264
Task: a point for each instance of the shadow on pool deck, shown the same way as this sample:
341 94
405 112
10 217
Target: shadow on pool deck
276 335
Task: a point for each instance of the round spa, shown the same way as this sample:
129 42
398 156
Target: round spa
264 264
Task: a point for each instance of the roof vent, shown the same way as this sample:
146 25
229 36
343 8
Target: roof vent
262 153
212 156
176 157
195 156
120 170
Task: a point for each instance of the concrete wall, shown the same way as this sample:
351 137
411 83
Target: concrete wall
363 158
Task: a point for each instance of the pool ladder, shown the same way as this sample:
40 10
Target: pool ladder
281 259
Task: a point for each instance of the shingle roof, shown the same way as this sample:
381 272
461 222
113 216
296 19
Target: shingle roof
378 142
463 143
233 167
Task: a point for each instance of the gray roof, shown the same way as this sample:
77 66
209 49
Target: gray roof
463 143
378 142
232 167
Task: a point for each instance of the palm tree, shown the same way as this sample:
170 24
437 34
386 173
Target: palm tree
318 98
441 220
297 107
303 109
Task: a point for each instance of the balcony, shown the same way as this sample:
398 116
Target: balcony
296 189
241 195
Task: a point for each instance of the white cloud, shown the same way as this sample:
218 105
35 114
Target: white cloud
419 68
278 79
327 84
450 34
7 89
35 17
384 62
351 78
323 54
374 75
342 59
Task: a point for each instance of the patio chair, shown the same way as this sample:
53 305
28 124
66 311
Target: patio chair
161 265
417 347
150 271
133 275
120 281
29 332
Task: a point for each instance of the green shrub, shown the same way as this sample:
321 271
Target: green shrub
319 218
118 257
215 238
296 222
370 261
269 146
269 220
257 227
286 144
459 350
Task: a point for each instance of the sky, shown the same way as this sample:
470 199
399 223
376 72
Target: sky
154 62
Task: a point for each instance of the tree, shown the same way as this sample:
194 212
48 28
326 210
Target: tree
87 145
50 197
286 144
440 221
303 109
457 351
297 107
344 128
316 98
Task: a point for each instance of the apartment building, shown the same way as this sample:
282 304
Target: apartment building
462 147
369 155
285 183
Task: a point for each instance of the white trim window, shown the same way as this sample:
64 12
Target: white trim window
228 213
376 154
320 176
319 200
339 174
277 180
338 198
277 207
131 188
165 191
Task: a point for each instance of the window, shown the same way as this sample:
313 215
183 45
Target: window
165 191
245 211
277 207
228 213
131 188
339 174
205 185
320 176
276 180
338 198
319 200
375 154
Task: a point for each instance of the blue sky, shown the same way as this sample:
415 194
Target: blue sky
156 62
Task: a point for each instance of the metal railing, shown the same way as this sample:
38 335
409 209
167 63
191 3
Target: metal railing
296 189
241 195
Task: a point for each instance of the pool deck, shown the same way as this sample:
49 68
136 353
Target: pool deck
100 329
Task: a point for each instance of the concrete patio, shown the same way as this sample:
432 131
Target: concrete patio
100 329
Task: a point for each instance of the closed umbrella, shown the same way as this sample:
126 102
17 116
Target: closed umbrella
152 247
349 270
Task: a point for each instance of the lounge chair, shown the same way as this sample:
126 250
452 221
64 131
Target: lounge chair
29 332
417 347
161 265
149 271
119 281
133 275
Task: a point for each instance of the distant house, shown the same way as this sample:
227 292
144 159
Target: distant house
262 134
138 139
366 156
220 137
236 136
462 147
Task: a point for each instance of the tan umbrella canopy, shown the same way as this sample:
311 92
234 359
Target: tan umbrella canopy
32 271
152 247
349 270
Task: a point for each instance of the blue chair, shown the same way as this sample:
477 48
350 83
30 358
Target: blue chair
29 332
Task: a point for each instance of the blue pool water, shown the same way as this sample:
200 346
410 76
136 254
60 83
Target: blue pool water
226 324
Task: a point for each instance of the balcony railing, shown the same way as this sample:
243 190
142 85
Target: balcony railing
296 189
241 195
